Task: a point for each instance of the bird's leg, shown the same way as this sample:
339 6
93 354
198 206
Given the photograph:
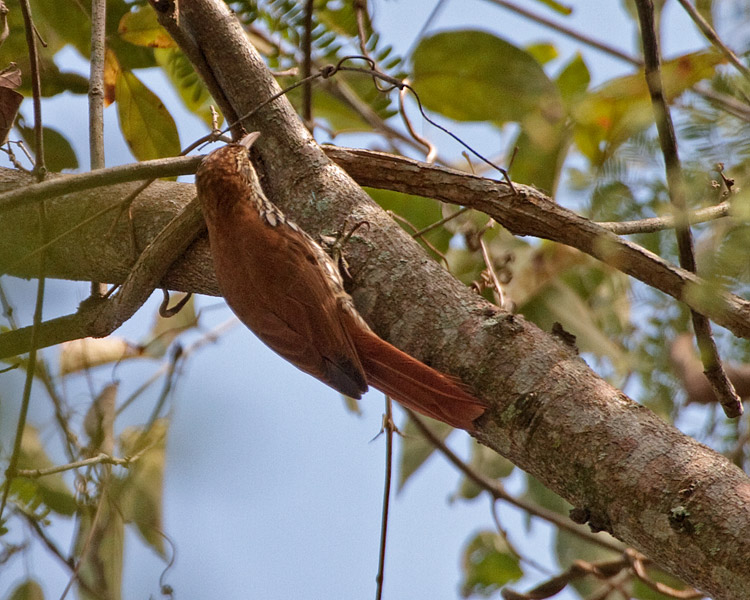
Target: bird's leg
334 246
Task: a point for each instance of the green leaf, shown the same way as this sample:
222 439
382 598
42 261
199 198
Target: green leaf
476 76
622 107
146 124
50 489
573 81
552 284
542 52
65 24
542 495
490 464
189 86
142 28
541 154
342 19
415 449
141 493
489 564
27 590
570 547
641 591
419 213
53 27
58 153
557 6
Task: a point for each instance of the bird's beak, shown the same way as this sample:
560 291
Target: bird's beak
249 139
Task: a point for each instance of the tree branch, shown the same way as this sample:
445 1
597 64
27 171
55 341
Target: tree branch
531 212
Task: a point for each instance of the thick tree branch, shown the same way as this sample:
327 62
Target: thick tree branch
531 212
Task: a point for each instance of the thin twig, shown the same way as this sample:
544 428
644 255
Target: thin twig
497 491
431 18
40 171
96 84
639 569
440 223
388 427
99 459
569 32
67 184
96 99
92 531
307 64
713 368
36 87
415 234
714 38
654 224
498 288
431 148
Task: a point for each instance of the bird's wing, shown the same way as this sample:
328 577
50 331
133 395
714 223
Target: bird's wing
273 283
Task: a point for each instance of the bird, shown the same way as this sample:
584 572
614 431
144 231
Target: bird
285 288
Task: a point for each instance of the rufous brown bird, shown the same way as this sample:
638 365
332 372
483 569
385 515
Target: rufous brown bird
289 292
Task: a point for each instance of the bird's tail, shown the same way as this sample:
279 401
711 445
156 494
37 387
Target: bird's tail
414 384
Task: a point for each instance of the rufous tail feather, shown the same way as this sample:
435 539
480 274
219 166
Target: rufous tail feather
414 384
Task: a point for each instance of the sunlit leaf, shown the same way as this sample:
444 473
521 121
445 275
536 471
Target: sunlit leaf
27 590
142 28
141 492
112 70
573 80
543 52
489 564
622 107
559 7
86 353
500 83
146 124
